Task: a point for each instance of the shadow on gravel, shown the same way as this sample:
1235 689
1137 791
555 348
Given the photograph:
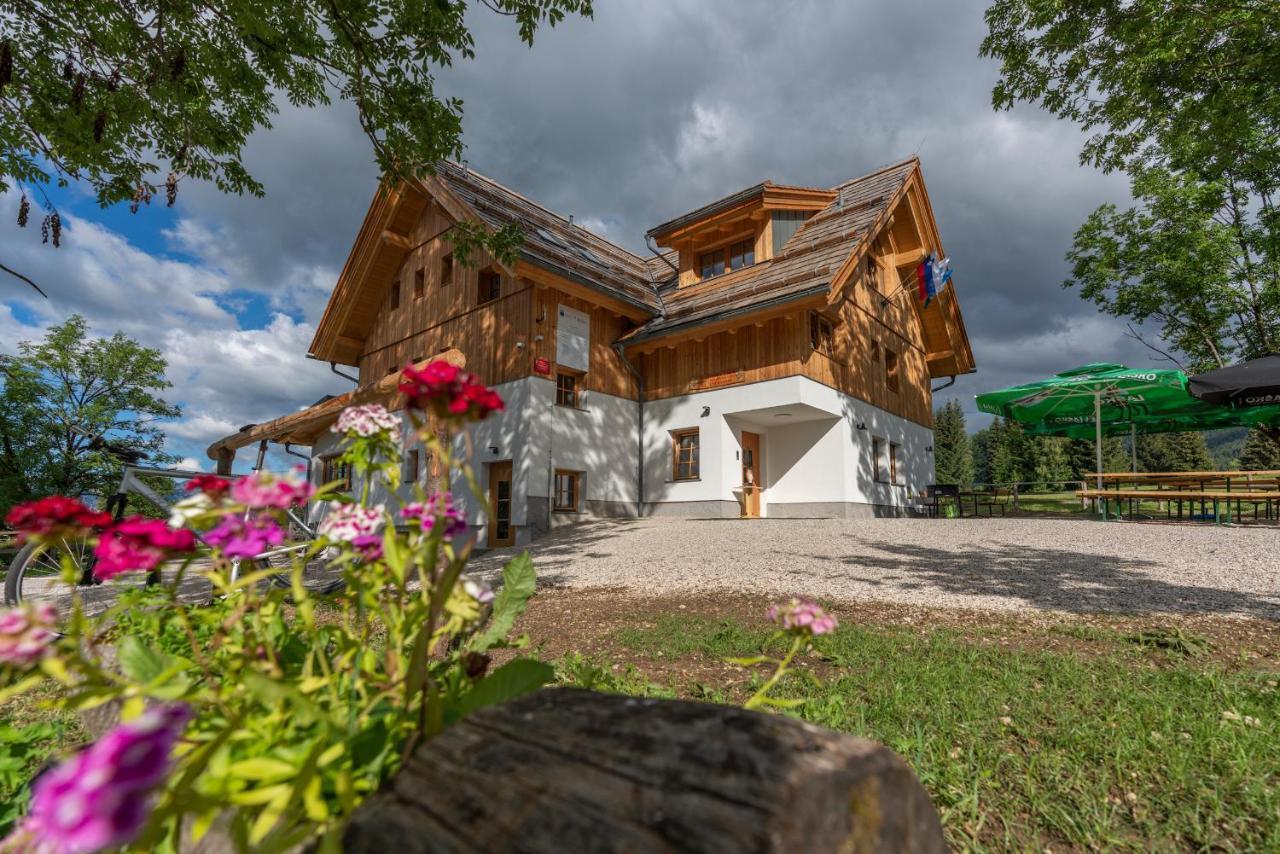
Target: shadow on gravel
1045 578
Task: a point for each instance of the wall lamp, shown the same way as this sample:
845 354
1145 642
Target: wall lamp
929 450
706 410
493 449
862 425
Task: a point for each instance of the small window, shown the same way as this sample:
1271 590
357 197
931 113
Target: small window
821 334
395 295
877 459
742 254
419 283
336 468
566 390
446 270
412 460
490 286
893 463
891 369
567 491
711 263
875 353
684 453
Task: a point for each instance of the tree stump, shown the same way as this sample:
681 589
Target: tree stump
568 770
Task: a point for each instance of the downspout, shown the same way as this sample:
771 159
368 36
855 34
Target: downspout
619 348
648 241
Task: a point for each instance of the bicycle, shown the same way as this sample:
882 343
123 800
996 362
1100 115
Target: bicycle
35 574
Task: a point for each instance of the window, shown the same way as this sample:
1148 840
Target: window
875 353
891 369
877 459
711 263
821 335
419 283
566 390
893 463
335 468
395 295
742 254
490 286
566 491
446 270
411 463
684 454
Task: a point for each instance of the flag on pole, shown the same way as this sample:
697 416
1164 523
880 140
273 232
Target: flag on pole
924 294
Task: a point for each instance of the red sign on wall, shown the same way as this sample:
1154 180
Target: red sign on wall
541 366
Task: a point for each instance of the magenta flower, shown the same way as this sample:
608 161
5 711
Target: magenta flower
449 392
349 522
237 537
801 615
26 633
263 490
368 545
100 798
55 516
439 506
366 421
139 544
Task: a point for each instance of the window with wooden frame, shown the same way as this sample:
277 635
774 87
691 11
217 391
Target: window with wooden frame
490 286
419 283
566 390
412 460
891 370
821 334
875 353
335 468
446 270
395 294
684 454
742 254
734 256
877 459
893 463
711 264
567 491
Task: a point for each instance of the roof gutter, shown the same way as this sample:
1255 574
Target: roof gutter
816 290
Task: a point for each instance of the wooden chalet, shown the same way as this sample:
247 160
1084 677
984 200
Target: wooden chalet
770 357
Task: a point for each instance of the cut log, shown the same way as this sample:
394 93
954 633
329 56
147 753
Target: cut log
570 770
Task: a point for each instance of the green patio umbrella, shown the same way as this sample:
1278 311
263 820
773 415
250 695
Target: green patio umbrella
1101 397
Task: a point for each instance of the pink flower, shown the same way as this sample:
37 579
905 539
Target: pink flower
367 421
210 484
349 522
139 544
801 615
26 633
449 392
100 798
368 545
262 490
55 516
236 537
438 506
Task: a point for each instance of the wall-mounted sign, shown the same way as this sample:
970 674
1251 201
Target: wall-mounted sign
573 338
542 366
718 380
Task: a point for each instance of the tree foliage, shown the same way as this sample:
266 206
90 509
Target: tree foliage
1260 452
1174 452
132 98
62 392
952 456
1183 96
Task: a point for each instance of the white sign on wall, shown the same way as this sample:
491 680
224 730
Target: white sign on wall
573 338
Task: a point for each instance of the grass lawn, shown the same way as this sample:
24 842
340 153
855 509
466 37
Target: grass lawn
1061 733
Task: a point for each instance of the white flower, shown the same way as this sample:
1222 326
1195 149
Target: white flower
349 521
366 421
189 508
478 590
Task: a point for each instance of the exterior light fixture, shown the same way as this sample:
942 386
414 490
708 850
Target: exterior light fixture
862 426
706 410
929 450
493 449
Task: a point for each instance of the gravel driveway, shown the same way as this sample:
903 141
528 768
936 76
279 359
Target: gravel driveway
1006 564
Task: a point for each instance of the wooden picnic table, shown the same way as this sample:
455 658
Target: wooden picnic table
1179 496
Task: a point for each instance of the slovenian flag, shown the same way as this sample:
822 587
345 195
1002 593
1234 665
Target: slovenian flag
924 273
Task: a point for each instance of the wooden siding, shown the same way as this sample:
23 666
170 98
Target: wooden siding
749 355
608 372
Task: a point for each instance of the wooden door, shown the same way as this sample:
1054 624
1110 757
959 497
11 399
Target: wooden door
750 474
501 531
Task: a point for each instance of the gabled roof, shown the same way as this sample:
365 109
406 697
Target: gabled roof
806 266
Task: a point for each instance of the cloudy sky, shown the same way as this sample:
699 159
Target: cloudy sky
647 111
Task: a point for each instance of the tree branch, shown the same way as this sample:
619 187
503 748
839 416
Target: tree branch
18 275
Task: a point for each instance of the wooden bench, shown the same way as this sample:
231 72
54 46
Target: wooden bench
1180 496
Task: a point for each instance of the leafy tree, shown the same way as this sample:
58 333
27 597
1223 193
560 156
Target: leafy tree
952 456
1081 458
1051 465
1260 452
61 393
1181 94
1174 452
132 98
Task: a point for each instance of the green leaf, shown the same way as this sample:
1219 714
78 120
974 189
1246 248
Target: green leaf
519 581
139 662
262 769
511 680
749 661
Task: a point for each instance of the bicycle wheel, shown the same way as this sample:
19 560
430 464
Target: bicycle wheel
35 575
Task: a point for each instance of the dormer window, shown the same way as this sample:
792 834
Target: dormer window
727 258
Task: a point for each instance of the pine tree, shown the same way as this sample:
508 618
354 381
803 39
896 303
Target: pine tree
1260 452
1081 461
1052 465
952 455
1174 452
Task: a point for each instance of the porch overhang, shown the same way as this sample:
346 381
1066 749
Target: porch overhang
782 414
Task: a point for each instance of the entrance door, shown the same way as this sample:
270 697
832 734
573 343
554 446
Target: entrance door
501 533
750 474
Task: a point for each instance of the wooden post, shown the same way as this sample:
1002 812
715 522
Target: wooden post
570 770
226 459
